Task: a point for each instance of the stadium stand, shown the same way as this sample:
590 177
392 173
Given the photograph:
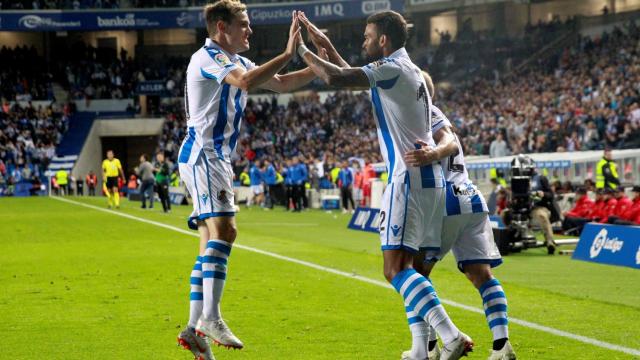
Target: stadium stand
486 53
582 98
28 139
18 81
588 101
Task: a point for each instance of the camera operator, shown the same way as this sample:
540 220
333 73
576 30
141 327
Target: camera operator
545 210
532 197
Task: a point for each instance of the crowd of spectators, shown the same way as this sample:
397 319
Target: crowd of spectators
589 100
28 139
86 72
486 53
18 80
319 134
93 73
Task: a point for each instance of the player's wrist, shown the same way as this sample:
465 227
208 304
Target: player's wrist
302 50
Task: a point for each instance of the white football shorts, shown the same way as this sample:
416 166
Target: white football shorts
470 238
210 184
411 217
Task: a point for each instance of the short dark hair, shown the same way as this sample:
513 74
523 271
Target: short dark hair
225 10
391 24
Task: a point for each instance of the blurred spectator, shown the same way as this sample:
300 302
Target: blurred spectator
91 181
147 181
345 182
498 147
163 179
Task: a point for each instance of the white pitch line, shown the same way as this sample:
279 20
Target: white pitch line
278 224
528 324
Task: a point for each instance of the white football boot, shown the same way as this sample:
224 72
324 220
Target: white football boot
199 346
219 333
506 353
457 348
431 355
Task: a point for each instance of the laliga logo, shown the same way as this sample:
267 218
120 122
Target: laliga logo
601 241
30 21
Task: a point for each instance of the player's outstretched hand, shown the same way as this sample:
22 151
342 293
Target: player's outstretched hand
294 36
421 157
318 38
323 54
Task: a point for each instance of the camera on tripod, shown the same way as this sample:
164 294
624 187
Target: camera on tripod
518 234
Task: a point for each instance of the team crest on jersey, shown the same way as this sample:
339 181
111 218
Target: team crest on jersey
204 198
222 59
222 196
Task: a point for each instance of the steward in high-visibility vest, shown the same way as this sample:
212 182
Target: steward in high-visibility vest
495 174
245 180
606 172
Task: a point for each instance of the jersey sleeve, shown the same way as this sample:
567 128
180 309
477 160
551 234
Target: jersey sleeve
118 165
439 120
248 64
218 66
382 73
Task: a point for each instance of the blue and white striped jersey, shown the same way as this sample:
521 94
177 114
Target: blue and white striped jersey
401 104
214 109
462 195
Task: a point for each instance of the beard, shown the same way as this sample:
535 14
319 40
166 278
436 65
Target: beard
373 54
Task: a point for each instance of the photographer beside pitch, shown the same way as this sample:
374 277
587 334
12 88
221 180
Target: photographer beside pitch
216 86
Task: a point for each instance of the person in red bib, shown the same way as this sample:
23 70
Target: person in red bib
609 207
631 214
576 218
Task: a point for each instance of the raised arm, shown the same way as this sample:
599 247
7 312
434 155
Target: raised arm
254 78
293 80
332 74
320 40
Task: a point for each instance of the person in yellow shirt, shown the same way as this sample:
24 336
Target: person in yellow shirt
63 182
111 171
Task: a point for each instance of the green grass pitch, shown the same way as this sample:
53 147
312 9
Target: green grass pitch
78 283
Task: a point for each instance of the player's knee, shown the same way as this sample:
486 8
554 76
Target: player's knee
424 270
389 274
391 270
478 274
230 232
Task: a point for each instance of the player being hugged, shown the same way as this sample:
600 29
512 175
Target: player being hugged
217 82
467 233
414 199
